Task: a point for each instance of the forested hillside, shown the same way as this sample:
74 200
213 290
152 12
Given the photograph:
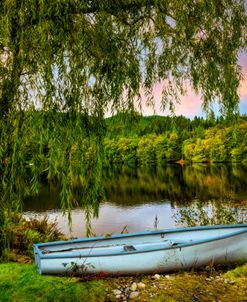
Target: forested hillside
158 139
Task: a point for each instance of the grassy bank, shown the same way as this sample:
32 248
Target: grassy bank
21 282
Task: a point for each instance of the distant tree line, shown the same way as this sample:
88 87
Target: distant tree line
159 140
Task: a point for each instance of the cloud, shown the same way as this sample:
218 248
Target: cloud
243 86
189 106
191 103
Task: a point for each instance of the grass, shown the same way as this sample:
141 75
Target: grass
22 283
239 273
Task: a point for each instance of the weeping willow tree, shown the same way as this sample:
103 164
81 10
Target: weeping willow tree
64 64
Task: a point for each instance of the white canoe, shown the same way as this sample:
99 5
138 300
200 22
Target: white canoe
147 252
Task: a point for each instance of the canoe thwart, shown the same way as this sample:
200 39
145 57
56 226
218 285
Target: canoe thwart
129 248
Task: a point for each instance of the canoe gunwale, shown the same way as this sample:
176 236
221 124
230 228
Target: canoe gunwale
41 255
163 231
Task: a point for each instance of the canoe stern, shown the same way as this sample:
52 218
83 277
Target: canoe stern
37 258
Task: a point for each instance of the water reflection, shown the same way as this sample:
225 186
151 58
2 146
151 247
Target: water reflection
178 183
113 219
135 195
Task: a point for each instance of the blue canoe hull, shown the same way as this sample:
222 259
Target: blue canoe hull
147 252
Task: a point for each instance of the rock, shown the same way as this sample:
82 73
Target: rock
141 285
133 287
133 295
116 292
156 276
169 277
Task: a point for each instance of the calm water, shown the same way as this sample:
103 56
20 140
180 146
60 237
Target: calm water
135 196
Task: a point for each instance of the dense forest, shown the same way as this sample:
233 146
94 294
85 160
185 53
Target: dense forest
157 139
137 139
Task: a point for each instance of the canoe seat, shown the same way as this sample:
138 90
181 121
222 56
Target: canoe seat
129 248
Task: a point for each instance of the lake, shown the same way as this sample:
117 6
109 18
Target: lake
142 198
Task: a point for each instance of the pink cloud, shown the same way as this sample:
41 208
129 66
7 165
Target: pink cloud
191 103
243 86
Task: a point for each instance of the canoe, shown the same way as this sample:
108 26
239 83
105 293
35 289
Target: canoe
146 252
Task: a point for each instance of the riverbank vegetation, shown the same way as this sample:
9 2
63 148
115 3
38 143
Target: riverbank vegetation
21 234
22 283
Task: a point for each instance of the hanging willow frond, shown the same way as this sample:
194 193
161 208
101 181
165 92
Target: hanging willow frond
65 63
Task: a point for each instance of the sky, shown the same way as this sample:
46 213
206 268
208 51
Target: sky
191 104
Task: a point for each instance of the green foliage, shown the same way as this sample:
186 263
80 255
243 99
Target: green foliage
99 51
63 64
62 151
146 151
193 141
23 234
